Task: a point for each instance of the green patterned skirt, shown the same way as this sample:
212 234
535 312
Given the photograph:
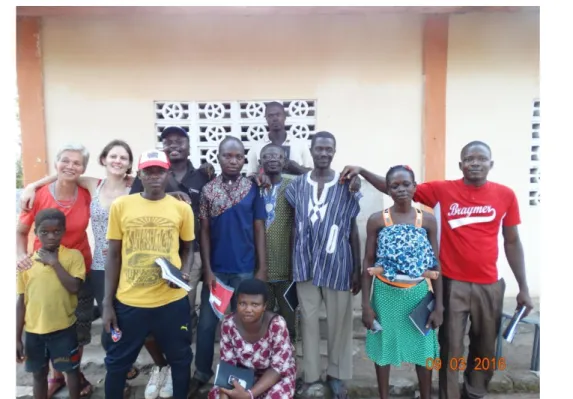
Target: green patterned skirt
399 341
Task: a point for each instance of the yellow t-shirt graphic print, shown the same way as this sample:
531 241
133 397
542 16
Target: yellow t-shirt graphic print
148 230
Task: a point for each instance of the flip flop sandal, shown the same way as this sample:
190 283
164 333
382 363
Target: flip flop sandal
338 388
299 383
313 389
86 388
133 374
59 384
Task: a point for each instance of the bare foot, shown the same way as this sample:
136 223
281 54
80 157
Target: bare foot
55 385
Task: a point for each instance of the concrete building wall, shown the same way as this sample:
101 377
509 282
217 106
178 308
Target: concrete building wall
103 74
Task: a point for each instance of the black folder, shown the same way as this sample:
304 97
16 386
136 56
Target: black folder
291 297
421 313
226 373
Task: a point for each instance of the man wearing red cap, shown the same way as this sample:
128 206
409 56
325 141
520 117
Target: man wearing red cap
138 301
184 181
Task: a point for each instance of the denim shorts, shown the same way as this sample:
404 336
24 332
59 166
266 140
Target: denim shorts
60 347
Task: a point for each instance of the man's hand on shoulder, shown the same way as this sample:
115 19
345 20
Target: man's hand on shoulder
349 172
208 170
355 184
261 180
129 181
181 196
292 167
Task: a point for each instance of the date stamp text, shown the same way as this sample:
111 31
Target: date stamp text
460 364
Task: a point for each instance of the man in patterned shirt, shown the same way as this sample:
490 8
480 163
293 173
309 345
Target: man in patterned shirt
232 214
279 224
326 265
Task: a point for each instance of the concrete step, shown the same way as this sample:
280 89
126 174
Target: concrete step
136 392
515 379
403 383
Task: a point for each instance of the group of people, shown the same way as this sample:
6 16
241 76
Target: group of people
292 218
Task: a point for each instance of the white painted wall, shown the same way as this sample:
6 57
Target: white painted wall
102 74
493 77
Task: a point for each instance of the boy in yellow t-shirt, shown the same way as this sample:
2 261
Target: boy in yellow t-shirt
138 301
47 300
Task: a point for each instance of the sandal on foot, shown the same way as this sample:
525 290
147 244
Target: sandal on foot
194 387
133 373
298 384
311 389
127 391
55 385
339 390
86 388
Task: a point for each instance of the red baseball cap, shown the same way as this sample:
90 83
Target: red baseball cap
153 158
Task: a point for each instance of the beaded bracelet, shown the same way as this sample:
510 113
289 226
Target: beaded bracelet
250 393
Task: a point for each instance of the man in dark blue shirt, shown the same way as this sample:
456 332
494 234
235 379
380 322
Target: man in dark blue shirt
232 214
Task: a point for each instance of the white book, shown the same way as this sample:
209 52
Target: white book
171 273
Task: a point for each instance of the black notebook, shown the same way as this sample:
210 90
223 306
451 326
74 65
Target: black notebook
171 273
291 297
421 313
226 373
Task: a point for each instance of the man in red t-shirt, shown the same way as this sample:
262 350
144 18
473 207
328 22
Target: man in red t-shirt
471 211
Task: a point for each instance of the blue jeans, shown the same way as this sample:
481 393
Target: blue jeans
207 326
170 325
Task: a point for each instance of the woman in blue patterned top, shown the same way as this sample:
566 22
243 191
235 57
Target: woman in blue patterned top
400 251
